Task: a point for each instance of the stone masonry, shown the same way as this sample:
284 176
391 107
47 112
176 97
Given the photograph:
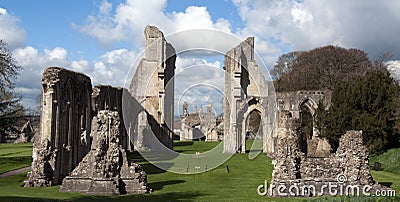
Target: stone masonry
106 168
64 126
105 97
347 168
70 107
153 87
245 90
293 103
198 125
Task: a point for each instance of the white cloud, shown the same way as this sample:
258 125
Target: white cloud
10 31
130 18
196 18
110 68
80 66
199 82
394 69
311 23
105 7
3 11
56 54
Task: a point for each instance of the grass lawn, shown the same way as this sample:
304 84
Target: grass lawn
14 156
239 184
390 160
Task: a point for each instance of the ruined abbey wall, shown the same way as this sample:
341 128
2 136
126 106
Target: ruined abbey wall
69 106
105 97
64 126
106 169
153 87
292 103
70 111
245 90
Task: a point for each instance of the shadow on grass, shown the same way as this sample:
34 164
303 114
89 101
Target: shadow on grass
159 185
149 168
188 151
19 198
12 163
386 184
186 143
254 150
152 169
186 196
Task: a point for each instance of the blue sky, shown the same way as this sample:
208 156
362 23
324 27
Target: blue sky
101 38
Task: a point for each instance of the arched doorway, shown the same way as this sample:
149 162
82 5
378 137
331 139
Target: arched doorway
251 119
306 123
253 122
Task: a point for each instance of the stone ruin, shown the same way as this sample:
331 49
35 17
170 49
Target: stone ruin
303 176
71 109
84 136
65 126
153 87
106 168
296 104
198 125
245 90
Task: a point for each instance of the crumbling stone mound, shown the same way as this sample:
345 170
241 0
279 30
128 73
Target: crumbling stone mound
346 169
106 169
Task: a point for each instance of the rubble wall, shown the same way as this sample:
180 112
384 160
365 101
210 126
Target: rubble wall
347 167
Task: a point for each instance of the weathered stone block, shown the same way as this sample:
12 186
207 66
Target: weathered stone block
106 170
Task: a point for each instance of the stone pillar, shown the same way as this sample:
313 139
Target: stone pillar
243 82
153 85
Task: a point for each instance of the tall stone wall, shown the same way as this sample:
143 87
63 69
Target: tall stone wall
65 126
153 87
292 103
245 90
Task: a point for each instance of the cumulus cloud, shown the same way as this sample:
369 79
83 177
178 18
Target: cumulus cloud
128 20
11 32
394 69
109 68
307 24
199 82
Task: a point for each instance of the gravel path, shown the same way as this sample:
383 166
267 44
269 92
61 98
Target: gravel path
14 172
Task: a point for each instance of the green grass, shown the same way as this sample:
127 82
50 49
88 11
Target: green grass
239 184
191 147
390 160
15 156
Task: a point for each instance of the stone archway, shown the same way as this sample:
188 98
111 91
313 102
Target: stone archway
307 130
245 88
306 108
253 122
253 105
